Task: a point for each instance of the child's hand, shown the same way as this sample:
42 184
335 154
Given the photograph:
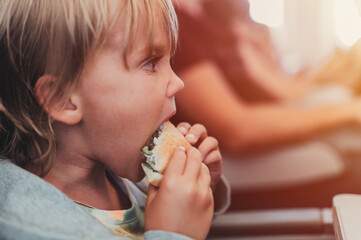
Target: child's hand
184 201
208 147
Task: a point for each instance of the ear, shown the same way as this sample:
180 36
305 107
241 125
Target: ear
68 112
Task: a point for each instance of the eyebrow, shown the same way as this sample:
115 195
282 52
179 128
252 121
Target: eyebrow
146 52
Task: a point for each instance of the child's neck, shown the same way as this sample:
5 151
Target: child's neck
90 185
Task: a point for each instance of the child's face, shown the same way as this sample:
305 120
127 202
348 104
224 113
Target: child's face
123 107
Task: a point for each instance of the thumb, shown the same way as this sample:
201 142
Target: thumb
152 192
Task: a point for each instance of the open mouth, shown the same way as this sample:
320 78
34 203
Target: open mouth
147 150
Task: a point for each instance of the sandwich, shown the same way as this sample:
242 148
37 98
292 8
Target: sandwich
159 150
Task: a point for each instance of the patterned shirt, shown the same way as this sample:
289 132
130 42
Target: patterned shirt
125 223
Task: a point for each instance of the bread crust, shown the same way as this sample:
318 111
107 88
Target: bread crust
169 139
172 139
154 178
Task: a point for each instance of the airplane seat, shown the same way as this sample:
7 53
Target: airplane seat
346 214
290 224
293 166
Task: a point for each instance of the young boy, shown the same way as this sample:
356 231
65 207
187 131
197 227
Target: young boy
84 84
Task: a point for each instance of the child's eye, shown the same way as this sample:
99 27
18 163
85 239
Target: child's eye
151 64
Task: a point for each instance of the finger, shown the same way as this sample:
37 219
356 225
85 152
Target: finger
213 159
177 162
152 192
184 127
205 180
208 145
205 177
196 133
194 163
214 163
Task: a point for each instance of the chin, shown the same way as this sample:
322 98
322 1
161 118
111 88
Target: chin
137 177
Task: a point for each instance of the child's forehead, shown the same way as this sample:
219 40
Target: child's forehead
157 43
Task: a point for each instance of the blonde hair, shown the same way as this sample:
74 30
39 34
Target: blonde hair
43 37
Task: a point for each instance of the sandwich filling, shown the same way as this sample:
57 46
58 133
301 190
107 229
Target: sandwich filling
159 150
150 151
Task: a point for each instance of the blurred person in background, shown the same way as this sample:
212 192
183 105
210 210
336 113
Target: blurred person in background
342 68
235 87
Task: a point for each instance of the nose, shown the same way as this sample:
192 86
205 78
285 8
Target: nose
175 85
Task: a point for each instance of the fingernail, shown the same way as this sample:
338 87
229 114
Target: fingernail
191 137
183 130
182 148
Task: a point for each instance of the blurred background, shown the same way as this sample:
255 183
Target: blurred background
306 32
321 35
278 83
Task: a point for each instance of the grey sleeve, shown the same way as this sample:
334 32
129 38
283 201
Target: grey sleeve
9 232
222 197
160 235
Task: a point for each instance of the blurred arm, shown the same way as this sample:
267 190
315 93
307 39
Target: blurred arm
239 127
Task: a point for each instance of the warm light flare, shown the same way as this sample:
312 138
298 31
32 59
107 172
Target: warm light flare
347 21
358 6
270 12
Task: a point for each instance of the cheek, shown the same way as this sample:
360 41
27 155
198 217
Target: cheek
120 115
145 106
121 127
